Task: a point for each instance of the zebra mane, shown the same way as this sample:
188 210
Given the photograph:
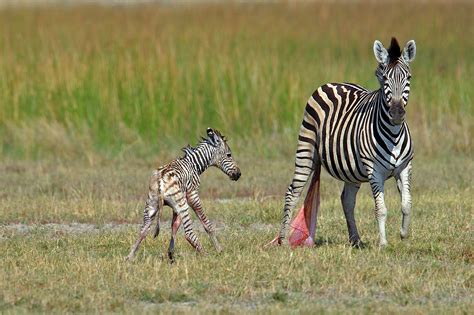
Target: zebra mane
204 141
187 150
394 51
217 132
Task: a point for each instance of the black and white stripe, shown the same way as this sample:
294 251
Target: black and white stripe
359 136
177 184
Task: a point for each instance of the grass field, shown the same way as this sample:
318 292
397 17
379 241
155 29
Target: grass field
92 98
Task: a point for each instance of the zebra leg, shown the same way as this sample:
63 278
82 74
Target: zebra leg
377 186
348 199
403 184
175 224
195 203
151 208
181 207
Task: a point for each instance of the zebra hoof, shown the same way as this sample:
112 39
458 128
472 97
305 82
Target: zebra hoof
171 257
358 244
404 235
309 242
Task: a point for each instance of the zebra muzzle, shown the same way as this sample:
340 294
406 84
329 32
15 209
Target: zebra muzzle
236 175
397 113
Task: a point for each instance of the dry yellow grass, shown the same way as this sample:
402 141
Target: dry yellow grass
107 79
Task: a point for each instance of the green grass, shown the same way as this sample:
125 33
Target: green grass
93 98
110 80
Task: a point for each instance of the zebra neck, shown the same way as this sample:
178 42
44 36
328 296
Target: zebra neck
200 158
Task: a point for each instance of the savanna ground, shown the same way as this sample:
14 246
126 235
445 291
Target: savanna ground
92 98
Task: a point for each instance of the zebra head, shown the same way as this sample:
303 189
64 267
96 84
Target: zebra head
394 76
222 157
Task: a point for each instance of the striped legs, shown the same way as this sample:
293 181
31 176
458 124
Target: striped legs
377 186
152 206
348 199
403 184
182 209
195 203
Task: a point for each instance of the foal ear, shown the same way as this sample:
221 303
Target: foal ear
213 137
380 52
409 51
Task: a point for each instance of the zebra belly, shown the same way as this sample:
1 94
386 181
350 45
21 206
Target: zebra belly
345 168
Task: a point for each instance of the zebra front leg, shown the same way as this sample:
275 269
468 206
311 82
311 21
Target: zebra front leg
151 207
377 186
403 184
348 199
195 203
175 224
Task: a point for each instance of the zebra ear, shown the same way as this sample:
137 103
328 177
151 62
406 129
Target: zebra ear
380 52
213 138
409 51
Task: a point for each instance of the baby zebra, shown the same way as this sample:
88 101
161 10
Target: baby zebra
176 185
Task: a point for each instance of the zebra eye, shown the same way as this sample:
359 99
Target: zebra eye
229 155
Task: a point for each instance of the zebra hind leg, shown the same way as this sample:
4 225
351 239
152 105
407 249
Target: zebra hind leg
147 220
152 205
348 200
175 224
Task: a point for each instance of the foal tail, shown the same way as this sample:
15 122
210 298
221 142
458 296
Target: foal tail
159 209
158 216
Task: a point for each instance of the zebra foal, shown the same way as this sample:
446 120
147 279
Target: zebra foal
176 185
358 136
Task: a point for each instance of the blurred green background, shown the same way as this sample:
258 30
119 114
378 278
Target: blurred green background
105 81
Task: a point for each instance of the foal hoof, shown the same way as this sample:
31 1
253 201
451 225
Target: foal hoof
277 241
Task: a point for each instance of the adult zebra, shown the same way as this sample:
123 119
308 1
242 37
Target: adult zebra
358 136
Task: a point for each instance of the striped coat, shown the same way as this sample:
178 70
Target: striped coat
358 136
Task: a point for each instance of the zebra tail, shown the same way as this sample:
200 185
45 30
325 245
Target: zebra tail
158 216
304 225
158 212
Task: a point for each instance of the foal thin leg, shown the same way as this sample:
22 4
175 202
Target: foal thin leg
175 224
403 184
348 199
149 213
191 237
195 203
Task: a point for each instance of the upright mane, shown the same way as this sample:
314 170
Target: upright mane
394 51
204 141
